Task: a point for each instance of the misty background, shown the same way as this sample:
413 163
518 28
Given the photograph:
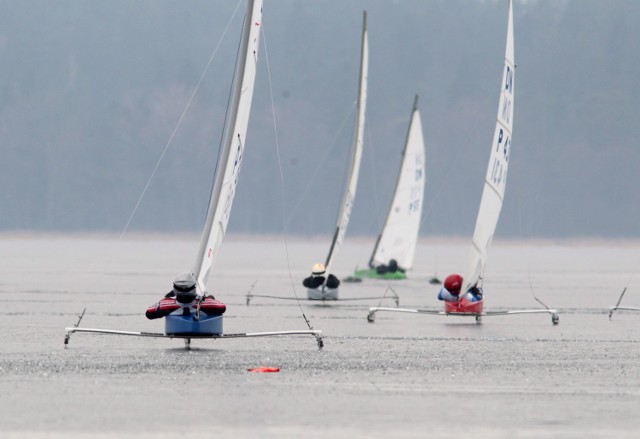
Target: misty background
90 93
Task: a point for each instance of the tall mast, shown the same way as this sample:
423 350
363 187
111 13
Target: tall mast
496 177
356 151
232 151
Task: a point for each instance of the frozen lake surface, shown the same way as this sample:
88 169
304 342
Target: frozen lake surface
403 376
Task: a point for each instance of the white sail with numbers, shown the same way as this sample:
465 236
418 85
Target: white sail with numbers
400 231
496 177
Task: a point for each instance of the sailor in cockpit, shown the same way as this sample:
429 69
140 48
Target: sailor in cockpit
391 267
184 300
450 291
317 278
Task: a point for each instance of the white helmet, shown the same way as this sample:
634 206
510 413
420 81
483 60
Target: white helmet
318 269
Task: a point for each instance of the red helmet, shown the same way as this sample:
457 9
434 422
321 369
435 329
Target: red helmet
453 283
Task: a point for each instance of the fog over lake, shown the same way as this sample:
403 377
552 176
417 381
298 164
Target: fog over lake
90 93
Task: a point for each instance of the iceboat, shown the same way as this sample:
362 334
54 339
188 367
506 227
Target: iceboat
395 246
326 287
490 204
190 326
331 292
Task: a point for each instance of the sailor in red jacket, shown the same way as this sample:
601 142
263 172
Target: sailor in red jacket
450 292
184 300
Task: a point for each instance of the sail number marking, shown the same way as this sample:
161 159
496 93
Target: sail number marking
498 173
508 83
507 100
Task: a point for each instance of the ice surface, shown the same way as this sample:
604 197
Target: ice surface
403 376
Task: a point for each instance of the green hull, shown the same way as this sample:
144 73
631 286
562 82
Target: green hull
370 273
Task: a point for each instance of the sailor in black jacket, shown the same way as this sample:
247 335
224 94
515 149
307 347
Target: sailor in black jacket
317 278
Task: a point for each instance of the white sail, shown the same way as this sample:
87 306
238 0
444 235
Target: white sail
400 231
356 152
496 178
232 151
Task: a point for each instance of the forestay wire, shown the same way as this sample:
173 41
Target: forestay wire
528 259
184 112
518 197
320 165
282 192
374 223
436 193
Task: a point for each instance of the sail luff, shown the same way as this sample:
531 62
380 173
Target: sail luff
230 156
496 176
399 234
356 154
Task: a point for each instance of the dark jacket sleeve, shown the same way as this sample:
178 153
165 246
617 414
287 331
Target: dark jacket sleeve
309 282
313 282
333 282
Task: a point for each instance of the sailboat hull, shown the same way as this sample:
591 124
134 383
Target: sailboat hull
322 293
371 273
186 325
464 306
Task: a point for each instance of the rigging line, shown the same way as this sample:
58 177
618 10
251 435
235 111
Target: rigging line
527 255
436 195
375 219
624 290
634 273
440 187
631 277
223 132
384 296
518 198
617 303
175 130
282 186
320 164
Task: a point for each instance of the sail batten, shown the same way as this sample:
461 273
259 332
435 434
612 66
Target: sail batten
349 194
232 150
496 176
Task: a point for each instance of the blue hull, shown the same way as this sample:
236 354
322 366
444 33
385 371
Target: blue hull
186 325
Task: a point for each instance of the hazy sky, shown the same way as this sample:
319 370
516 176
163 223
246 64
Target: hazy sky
90 93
